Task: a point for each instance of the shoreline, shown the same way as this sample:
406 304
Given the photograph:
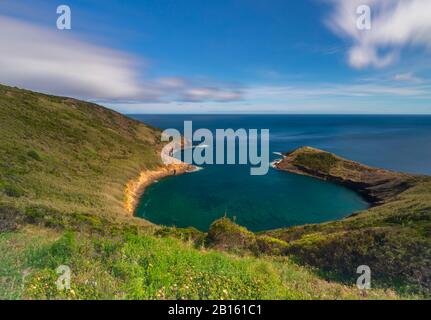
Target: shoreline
370 200
136 188
376 186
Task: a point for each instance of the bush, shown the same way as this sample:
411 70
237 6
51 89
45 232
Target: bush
34 155
225 235
185 234
9 219
271 246
13 191
393 257
322 161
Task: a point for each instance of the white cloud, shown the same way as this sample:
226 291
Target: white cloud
395 24
209 93
408 77
186 91
362 96
46 60
53 61
336 90
173 82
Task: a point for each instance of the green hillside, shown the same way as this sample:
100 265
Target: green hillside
68 154
393 237
64 165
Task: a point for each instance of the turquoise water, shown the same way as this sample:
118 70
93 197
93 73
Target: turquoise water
280 199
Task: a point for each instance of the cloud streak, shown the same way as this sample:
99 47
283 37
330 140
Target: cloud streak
395 24
338 90
53 61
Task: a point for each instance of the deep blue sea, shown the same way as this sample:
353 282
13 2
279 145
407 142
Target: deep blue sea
280 199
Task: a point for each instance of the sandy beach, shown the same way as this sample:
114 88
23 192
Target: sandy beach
135 188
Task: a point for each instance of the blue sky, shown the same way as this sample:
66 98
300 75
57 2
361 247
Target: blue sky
216 56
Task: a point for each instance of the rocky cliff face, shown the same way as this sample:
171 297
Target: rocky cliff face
376 185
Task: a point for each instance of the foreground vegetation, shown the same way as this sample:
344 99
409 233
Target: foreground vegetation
148 267
64 165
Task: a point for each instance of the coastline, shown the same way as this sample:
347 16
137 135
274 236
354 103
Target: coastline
376 186
389 235
135 188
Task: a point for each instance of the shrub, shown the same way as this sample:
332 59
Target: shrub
393 257
271 246
9 219
13 191
322 161
225 235
186 234
34 155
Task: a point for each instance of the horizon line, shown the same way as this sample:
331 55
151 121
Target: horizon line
276 113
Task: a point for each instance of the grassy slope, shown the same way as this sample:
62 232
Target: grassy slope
394 239
148 267
69 155
15 251
63 168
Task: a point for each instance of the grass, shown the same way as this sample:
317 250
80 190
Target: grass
322 162
393 239
147 267
15 249
68 154
64 165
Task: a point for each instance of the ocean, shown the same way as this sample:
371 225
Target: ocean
279 199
